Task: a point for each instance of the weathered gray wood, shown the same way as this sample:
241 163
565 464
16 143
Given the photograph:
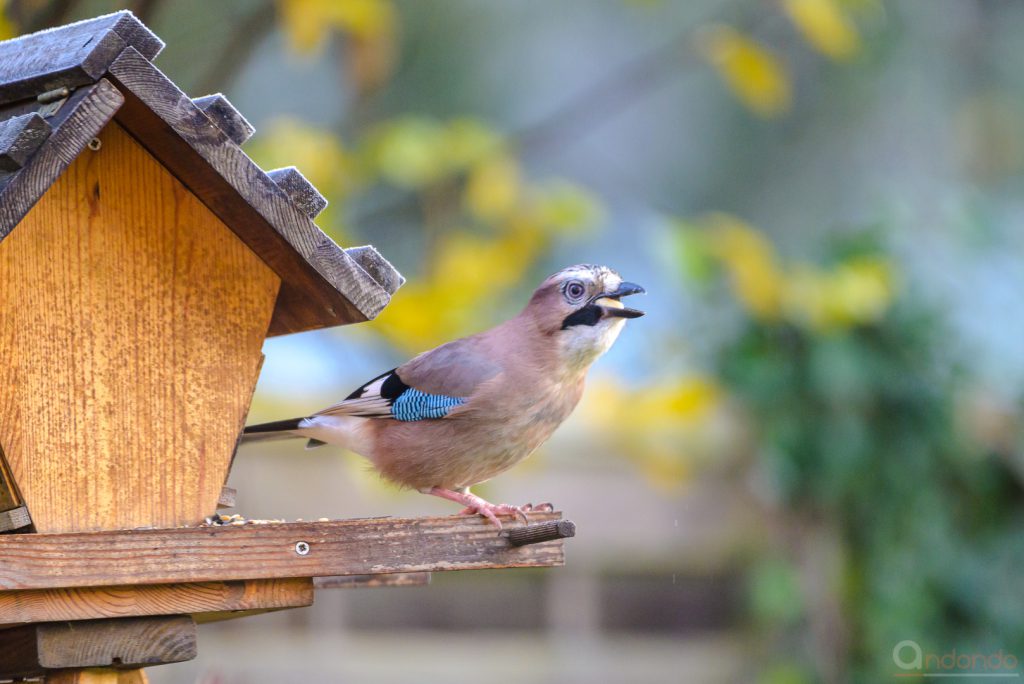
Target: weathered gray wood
542 532
394 579
14 519
86 113
301 549
20 136
71 55
379 268
300 191
362 296
227 497
122 642
227 118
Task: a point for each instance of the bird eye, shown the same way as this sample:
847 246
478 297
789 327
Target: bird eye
574 290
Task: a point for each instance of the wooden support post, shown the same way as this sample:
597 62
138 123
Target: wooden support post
105 675
35 650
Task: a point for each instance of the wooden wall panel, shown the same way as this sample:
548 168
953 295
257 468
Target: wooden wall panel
131 322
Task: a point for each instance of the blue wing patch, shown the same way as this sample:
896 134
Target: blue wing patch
387 396
415 405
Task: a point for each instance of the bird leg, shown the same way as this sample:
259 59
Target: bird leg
477 506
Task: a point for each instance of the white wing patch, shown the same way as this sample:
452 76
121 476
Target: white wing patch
366 402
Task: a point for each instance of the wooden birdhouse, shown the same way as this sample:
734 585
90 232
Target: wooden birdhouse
144 257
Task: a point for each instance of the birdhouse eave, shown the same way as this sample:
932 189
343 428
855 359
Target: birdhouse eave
60 87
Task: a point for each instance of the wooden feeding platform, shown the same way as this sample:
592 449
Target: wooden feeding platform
144 258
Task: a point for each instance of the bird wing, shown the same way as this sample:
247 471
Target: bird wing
427 387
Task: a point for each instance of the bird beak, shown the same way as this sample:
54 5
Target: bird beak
610 304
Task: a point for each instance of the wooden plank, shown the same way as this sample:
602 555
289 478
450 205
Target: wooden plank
90 603
226 117
14 519
20 136
394 579
9 497
315 303
97 676
127 298
226 498
203 554
72 55
379 268
299 190
80 120
125 642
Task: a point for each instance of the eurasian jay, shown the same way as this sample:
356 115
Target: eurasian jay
470 409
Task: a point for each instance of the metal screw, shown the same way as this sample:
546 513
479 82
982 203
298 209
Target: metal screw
95 144
302 548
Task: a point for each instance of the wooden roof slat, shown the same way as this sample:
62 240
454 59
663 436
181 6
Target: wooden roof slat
228 119
134 73
71 55
86 113
300 191
20 136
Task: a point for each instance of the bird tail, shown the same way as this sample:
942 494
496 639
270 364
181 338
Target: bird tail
344 431
266 432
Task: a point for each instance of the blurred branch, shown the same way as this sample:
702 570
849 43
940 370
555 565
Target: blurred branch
237 49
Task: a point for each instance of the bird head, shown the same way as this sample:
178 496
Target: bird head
580 308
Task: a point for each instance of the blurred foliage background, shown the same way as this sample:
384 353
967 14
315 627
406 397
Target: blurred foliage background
809 451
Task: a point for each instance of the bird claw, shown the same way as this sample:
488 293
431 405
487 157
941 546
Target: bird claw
492 511
474 505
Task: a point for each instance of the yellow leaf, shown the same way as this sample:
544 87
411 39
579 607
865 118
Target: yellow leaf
825 26
7 28
308 22
409 152
754 75
750 259
467 142
493 188
861 291
566 207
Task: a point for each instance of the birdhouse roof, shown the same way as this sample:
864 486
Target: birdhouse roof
60 87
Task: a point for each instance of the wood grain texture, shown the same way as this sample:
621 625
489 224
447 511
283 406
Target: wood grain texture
203 554
80 120
9 497
122 643
379 268
131 334
395 579
20 136
228 119
96 676
89 603
324 286
227 497
72 55
299 190
14 519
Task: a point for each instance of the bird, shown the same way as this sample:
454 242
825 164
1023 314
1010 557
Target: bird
468 410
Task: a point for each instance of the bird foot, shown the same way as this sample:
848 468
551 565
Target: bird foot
474 505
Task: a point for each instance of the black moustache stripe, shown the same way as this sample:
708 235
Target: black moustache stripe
588 315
